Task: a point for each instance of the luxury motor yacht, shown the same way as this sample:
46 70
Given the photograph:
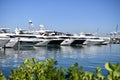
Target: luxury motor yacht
4 39
60 38
19 38
28 38
12 40
73 41
49 41
91 39
49 36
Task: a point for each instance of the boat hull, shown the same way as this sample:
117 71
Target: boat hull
94 42
78 42
3 41
55 42
42 43
70 42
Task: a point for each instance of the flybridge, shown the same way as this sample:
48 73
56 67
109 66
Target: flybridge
4 30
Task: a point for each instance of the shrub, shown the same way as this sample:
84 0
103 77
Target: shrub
35 70
1 76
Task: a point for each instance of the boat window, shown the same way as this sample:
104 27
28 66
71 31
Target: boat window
69 35
4 31
64 37
40 37
66 41
94 38
12 36
31 37
82 38
51 38
88 35
73 38
25 36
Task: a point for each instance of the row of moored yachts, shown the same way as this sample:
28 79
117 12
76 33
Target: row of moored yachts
43 37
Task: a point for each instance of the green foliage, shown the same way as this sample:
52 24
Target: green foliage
114 71
34 70
1 76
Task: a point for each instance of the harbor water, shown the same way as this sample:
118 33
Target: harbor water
89 57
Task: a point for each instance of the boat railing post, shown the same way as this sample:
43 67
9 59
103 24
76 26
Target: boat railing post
18 44
4 48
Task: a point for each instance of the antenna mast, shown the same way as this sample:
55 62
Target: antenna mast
31 26
117 28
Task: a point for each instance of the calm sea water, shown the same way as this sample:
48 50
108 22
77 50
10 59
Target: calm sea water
87 56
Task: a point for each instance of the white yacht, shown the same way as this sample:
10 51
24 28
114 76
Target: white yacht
17 38
91 39
49 41
60 38
12 40
72 40
27 38
49 36
4 39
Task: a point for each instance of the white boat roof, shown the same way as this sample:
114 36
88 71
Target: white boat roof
4 28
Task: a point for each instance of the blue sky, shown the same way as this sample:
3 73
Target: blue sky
72 16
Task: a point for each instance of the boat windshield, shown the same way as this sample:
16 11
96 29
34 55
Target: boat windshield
4 30
88 35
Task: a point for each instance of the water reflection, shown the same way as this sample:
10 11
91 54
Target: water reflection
79 52
57 51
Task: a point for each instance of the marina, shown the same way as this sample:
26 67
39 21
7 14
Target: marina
44 37
88 50
59 39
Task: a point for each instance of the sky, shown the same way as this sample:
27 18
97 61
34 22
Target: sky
73 16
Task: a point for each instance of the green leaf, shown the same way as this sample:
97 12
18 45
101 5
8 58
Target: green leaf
99 75
1 76
75 65
107 66
98 69
34 60
116 74
26 61
1 73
